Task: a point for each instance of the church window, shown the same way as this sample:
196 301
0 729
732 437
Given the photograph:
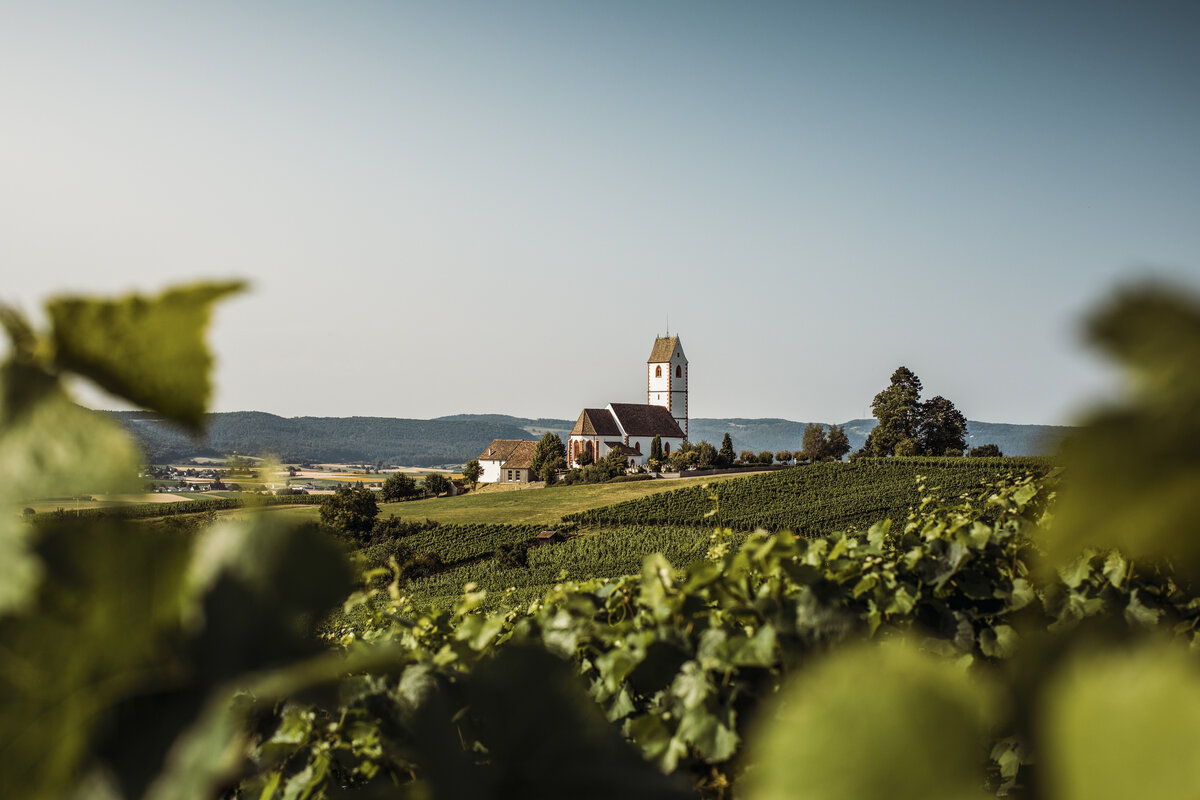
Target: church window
666 448
678 372
658 372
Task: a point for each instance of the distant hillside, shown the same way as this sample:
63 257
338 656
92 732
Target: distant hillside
449 441
409 442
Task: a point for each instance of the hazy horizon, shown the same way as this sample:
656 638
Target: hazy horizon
482 208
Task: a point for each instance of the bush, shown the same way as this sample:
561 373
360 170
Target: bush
513 555
423 566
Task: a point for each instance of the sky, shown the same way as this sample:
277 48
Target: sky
480 207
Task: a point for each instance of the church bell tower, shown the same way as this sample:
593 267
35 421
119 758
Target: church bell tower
667 379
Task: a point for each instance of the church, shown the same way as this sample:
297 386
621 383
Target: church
631 427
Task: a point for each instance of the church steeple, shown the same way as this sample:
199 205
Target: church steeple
667 379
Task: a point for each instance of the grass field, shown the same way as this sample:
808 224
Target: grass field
517 507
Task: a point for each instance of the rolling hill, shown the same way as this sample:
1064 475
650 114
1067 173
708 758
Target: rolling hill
452 440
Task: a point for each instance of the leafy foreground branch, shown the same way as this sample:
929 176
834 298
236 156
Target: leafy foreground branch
1004 649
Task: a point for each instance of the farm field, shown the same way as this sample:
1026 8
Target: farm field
524 506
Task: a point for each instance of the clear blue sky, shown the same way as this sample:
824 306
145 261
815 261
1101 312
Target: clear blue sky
494 207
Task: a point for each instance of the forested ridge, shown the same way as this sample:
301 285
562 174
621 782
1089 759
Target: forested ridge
409 442
452 440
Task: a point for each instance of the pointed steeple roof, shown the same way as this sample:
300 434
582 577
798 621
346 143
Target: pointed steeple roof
664 348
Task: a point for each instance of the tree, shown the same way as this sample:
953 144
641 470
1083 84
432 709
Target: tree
549 451
472 471
551 468
350 509
943 428
656 453
706 455
783 456
898 409
985 451
726 456
814 446
436 484
747 457
585 458
399 487
615 462
766 457
839 443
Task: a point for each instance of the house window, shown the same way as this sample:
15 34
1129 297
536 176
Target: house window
678 372
666 448
658 372
510 474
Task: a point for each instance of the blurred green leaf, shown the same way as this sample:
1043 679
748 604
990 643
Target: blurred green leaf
49 447
1121 725
108 621
873 721
146 349
1134 469
546 738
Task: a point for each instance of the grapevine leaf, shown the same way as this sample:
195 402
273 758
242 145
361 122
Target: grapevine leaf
918 720
49 447
1137 613
149 350
1116 568
758 650
1135 467
998 642
1121 725
546 738
109 614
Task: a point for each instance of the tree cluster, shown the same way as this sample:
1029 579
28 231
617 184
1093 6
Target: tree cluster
909 427
399 487
350 510
818 444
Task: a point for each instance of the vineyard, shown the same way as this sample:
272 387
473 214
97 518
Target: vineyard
458 543
816 499
606 553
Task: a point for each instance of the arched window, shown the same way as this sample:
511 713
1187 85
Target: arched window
591 451
666 448
658 372
678 372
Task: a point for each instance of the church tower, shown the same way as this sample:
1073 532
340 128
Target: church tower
667 379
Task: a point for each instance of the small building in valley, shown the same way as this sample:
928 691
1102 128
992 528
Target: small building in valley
507 461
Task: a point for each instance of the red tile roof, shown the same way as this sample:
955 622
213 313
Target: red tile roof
645 420
499 449
521 457
595 422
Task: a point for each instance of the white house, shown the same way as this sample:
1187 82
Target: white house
631 427
507 461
